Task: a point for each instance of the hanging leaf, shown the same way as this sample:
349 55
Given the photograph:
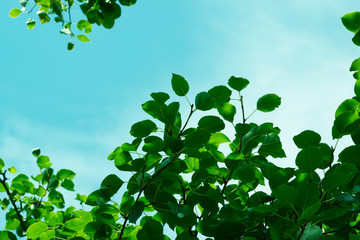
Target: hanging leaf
143 128
351 21
83 38
15 12
306 139
204 101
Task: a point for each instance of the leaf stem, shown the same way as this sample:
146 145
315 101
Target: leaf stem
187 120
3 182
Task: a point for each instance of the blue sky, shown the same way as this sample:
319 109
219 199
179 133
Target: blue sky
78 106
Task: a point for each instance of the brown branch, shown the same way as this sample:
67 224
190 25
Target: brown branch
3 182
187 120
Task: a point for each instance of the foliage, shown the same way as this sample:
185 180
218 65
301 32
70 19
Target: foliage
183 178
100 12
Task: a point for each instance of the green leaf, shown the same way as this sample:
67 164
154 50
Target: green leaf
309 159
143 128
351 21
30 23
204 101
271 146
355 65
221 94
160 97
15 12
7 235
70 46
179 85
68 184
349 105
344 124
65 173
44 18
238 83
127 2
12 224
75 224
12 170
83 38
111 185
40 191
312 232
136 211
357 88
43 162
211 124
285 195
2 164
36 152
306 139
227 111
268 102
341 175
356 39
151 230
36 229
83 24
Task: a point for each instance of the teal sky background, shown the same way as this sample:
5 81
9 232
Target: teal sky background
78 106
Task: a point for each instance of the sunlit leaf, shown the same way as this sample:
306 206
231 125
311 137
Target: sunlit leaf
83 38
36 229
351 21
268 102
15 12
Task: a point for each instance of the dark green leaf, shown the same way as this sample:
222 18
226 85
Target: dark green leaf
345 124
285 195
357 88
160 97
111 185
143 128
151 230
238 83
179 85
211 124
68 184
356 38
2 164
44 18
271 146
351 21
309 159
127 2
204 101
136 211
268 102
197 138
341 175
221 94
36 152
306 139
70 46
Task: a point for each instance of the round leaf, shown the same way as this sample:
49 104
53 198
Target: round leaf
357 88
36 229
268 102
238 83
204 101
309 159
127 2
15 12
221 94
179 85
70 46
306 139
349 105
143 128
43 162
211 124
111 184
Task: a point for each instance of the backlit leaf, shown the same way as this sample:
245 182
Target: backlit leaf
204 101
111 184
309 159
75 224
30 23
36 229
211 124
227 111
15 12
83 38
351 21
